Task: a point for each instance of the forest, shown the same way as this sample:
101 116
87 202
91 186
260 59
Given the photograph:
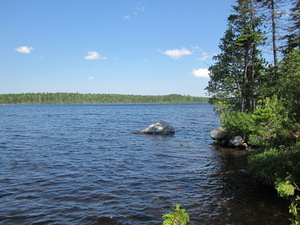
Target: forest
77 98
255 88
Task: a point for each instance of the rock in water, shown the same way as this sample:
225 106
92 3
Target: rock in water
159 128
238 141
218 134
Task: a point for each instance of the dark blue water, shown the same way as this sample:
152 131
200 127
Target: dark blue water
82 164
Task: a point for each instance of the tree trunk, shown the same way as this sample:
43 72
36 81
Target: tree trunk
274 38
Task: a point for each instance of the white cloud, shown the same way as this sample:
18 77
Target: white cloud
204 56
24 49
94 56
91 78
195 47
177 53
201 73
139 9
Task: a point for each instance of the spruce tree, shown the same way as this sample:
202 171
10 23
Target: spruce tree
238 73
293 36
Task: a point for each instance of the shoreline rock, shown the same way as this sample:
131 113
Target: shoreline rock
238 142
218 134
225 140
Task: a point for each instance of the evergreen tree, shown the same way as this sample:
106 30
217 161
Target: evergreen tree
272 11
293 36
270 5
289 88
238 80
237 75
289 69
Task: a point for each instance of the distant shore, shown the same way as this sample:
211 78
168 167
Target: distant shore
77 98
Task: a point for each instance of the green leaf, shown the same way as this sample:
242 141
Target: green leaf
178 216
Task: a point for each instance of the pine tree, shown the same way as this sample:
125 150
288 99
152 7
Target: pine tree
237 74
293 36
289 69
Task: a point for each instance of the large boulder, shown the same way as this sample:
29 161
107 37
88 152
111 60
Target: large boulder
218 134
159 128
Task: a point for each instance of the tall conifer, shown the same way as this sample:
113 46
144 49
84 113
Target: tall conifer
237 74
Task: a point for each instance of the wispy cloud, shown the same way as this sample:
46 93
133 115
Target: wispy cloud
24 49
194 47
138 10
177 53
94 56
204 73
204 56
91 78
127 17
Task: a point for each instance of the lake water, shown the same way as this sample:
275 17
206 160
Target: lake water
82 164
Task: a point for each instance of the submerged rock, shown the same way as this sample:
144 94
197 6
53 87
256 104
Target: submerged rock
159 128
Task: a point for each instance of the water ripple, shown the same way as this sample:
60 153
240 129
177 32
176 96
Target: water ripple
82 164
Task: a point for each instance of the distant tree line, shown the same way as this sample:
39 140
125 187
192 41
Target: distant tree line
77 98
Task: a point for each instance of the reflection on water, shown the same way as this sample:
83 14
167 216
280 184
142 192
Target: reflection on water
82 164
249 201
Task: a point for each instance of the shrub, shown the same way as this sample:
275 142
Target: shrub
178 216
273 164
286 188
238 123
271 120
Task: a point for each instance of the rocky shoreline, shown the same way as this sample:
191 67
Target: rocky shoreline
222 139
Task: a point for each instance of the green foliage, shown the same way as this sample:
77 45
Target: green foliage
271 123
286 188
238 123
293 210
222 106
76 98
178 216
261 104
237 76
293 36
289 84
275 163
266 126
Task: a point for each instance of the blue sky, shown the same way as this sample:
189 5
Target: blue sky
141 47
